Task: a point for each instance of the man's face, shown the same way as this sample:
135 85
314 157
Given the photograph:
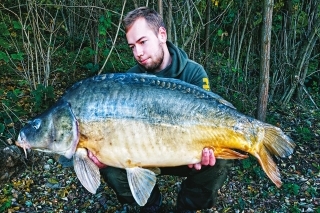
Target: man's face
146 45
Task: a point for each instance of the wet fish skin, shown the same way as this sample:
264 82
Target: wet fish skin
132 121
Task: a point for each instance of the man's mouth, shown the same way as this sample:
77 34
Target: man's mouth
143 61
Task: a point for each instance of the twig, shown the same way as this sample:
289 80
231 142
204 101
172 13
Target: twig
114 40
306 91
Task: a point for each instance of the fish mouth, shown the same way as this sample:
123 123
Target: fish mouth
21 142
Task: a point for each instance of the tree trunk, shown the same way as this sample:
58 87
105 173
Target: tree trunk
314 25
304 53
207 33
94 31
160 8
169 25
265 60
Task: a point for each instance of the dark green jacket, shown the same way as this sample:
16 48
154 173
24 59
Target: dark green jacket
181 68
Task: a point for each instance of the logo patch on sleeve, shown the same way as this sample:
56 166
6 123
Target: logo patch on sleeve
206 85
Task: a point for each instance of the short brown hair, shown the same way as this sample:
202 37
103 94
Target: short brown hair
153 18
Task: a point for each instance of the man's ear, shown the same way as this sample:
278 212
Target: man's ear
162 34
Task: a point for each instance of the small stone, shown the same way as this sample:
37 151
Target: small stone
50 161
46 167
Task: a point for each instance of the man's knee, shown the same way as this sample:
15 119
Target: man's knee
116 178
113 175
194 197
200 190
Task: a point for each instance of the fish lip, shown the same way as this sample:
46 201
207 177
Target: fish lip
22 142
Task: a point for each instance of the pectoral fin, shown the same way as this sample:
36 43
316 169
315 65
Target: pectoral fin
87 171
141 182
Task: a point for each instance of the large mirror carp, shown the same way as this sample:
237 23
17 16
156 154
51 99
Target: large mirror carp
136 122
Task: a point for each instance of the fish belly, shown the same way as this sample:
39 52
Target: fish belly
130 143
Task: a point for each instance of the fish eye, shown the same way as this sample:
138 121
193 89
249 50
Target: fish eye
36 123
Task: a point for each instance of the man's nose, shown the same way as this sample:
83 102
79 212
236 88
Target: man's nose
139 51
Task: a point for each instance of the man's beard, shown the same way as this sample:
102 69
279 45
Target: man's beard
154 66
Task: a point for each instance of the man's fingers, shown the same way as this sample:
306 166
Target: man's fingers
212 159
95 160
197 166
205 157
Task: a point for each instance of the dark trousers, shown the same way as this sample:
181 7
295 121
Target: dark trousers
198 190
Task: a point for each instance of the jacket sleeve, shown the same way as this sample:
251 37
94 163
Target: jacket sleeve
198 76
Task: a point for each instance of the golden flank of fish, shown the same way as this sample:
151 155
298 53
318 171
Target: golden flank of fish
139 122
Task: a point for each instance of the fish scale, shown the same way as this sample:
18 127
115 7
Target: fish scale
135 121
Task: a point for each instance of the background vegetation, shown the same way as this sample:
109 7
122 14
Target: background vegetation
47 45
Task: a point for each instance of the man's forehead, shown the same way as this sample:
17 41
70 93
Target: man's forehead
138 30
140 23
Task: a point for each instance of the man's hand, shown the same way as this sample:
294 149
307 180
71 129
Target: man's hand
95 160
206 159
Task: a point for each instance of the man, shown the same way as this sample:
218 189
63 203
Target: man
147 37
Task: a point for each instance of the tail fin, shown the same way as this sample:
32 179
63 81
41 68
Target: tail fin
275 143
